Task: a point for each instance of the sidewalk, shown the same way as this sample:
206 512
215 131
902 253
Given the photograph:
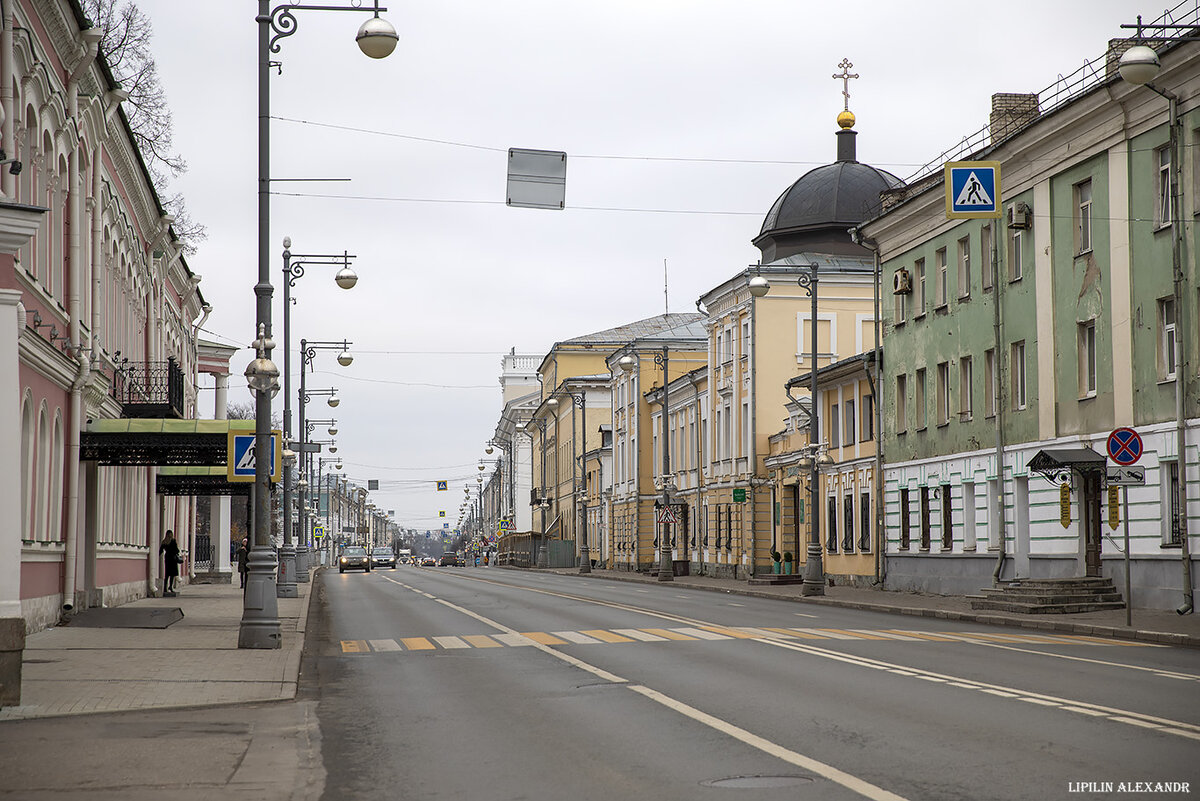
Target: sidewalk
1148 624
70 670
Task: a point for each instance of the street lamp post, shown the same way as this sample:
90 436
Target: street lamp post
585 557
308 354
1140 65
666 568
259 627
543 557
293 269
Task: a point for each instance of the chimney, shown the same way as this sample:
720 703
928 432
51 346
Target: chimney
1010 113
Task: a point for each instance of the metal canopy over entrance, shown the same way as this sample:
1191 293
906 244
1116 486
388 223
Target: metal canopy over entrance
131 442
1055 463
198 481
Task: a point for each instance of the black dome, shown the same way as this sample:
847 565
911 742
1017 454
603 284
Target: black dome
842 194
818 209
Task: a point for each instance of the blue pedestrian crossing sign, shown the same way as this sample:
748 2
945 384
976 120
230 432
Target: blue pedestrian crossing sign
972 189
443 486
240 458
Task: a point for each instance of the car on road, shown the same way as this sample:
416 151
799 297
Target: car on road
450 559
428 561
354 557
383 557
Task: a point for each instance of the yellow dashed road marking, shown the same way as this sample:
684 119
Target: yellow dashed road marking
354 647
667 634
606 636
740 635
417 644
543 638
482 641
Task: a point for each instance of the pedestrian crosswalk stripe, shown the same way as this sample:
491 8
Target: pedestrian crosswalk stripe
607 636
712 634
481 641
702 634
638 634
384 645
450 642
667 634
417 643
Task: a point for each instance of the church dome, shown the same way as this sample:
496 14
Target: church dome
818 209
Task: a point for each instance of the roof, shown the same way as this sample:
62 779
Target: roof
635 330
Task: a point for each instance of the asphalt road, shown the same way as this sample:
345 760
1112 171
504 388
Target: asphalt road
426 688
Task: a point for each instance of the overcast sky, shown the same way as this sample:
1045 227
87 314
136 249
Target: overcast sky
682 121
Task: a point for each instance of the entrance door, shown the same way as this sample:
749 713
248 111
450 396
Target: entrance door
797 517
1090 512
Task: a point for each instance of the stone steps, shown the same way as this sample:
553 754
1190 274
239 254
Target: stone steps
1050 596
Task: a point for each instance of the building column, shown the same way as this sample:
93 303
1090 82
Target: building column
12 622
218 519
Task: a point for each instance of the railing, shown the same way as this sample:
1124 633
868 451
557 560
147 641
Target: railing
149 389
1093 73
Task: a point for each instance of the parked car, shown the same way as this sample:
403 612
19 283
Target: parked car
383 557
354 557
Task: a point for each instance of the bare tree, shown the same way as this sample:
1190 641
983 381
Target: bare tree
126 48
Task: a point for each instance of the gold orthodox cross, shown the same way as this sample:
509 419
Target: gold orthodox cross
845 77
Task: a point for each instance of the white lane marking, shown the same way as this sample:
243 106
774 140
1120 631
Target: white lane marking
802 614
450 642
753 632
735 604
1113 714
1156 671
576 637
384 645
853 783
643 590
638 634
701 634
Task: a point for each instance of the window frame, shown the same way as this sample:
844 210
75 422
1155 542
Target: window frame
1167 352
964 267
942 278
987 264
966 389
1086 358
1019 386
902 403
1016 262
1082 193
922 292
921 401
1163 197
943 394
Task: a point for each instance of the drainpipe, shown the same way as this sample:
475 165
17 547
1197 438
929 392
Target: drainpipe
873 378
8 184
998 332
91 42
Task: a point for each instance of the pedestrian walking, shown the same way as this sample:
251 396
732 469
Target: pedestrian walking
169 549
243 561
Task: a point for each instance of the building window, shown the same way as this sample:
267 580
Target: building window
1015 256
864 522
942 289
1167 360
966 392
1083 217
901 403
968 515
947 519
831 519
1174 534
925 524
848 531
900 307
920 400
964 267
851 420
992 378
746 444
835 422
1017 366
1164 206
919 272
943 393
868 418
718 455
1087 359
745 337
905 531
987 274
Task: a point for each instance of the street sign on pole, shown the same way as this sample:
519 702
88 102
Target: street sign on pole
666 515
1125 446
1125 476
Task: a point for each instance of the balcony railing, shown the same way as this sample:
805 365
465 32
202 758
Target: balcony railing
149 389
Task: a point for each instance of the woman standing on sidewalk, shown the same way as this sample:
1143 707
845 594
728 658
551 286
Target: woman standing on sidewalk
170 552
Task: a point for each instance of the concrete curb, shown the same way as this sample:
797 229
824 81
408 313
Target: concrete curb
1062 627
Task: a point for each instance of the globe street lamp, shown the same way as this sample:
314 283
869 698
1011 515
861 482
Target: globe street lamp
259 627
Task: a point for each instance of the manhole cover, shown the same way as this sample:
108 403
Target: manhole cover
757 782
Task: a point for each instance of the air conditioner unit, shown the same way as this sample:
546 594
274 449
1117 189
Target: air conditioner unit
901 282
1019 216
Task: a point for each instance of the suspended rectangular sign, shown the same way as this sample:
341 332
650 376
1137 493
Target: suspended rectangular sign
537 179
240 456
972 189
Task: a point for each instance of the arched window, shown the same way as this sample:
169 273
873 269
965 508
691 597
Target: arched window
42 519
27 482
56 499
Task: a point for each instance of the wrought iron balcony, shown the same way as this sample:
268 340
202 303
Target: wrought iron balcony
149 389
